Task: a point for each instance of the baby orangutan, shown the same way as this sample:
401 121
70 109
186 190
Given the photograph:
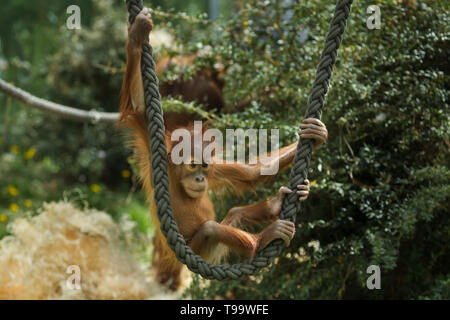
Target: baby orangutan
189 182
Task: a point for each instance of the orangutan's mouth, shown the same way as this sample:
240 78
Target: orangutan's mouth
197 190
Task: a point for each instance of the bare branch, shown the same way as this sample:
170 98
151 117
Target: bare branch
55 108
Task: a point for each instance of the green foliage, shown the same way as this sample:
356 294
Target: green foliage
84 163
380 189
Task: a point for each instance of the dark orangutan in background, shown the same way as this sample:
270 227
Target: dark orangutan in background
205 87
189 183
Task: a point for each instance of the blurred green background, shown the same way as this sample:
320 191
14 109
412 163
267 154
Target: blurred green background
380 191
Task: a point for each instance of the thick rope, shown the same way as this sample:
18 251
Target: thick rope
298 173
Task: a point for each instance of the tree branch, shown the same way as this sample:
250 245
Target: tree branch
55 108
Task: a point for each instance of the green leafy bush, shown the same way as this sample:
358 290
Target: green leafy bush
381 190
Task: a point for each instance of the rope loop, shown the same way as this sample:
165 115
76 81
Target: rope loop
298 173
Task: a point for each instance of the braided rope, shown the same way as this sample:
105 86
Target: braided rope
302 158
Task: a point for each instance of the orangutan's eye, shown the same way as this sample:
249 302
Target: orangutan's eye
193 165
205 165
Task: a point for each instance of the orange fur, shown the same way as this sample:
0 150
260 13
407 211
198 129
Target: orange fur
194 215
167 267
205 87
191 214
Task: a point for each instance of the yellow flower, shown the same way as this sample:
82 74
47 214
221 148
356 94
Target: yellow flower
30 153
313 183
3 218
14 207
13 191
14 149
126 174
28 203
95 188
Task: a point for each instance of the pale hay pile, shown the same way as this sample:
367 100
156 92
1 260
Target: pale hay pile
34 260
